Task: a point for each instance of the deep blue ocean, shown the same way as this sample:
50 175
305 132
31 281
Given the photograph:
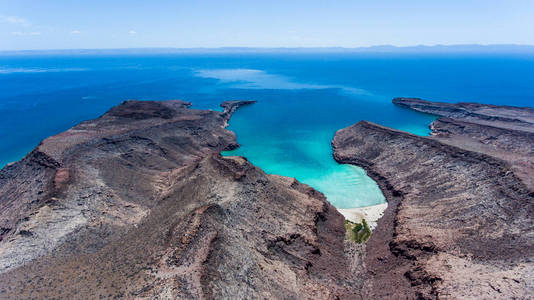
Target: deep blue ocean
302 100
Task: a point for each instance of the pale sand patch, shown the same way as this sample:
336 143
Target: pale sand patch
371 214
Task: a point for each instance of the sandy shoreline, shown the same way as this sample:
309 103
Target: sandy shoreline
371 214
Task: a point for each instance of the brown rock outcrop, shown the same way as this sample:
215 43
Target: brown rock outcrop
139 204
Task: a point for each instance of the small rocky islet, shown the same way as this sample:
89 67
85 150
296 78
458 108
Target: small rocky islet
139 203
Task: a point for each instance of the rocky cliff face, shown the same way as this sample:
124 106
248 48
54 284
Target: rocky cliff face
139 204
460 218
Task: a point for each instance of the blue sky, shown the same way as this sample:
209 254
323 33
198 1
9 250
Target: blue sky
68 24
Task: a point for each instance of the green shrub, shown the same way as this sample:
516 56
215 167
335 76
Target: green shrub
360 232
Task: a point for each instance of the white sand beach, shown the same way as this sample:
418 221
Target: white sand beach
370 213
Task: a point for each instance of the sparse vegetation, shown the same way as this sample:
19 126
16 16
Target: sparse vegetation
358 232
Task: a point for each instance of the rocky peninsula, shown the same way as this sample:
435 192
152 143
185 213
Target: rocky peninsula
504 132
460 216
139 204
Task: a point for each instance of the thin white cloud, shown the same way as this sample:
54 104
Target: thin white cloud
14 20
21 33
132 32
75 32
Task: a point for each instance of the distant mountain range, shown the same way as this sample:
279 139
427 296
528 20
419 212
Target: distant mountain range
486 49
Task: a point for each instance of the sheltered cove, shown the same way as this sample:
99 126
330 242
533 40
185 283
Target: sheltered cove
139 204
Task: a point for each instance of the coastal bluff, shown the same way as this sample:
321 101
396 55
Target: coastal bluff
460 216
139 204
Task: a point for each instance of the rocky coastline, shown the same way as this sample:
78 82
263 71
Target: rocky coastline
503 132
459 222
139 204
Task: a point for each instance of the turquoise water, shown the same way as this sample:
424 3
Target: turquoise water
304 152
302 100
292 136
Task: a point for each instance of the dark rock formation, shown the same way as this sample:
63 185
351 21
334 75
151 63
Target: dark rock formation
460 220
509 117
504 132
139 204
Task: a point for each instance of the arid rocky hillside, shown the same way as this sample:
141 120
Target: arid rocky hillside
139 204
460 220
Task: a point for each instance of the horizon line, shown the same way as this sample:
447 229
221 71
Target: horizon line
234 48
